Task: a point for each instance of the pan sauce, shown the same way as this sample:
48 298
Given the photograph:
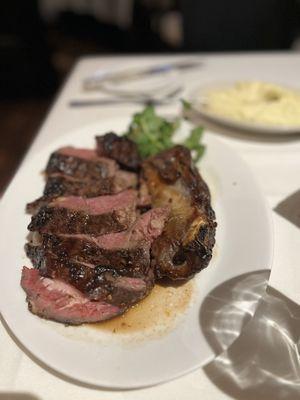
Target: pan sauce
155 314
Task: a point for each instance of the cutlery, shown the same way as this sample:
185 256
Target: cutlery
126 99
95 82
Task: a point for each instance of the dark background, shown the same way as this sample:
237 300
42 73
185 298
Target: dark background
41 40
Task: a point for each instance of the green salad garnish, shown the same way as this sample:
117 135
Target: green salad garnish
186 105
153 133
193 142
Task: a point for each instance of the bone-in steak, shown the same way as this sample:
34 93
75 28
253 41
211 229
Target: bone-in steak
185 246
100 235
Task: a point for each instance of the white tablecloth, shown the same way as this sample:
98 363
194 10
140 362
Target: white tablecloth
276 164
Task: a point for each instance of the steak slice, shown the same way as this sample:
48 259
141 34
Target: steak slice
80 164
62 185
119 148
185 246
95 216
100 283
34 206
96 265
127 251
59 301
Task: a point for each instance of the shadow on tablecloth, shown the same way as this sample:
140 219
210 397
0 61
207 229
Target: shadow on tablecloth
289 208
263 362
230 306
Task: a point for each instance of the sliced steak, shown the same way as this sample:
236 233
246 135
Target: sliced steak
59 301
119 148
96 216
127 251
95 265
63 185
80 164
185 246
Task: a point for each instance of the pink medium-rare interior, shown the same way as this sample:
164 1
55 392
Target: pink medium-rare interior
97 205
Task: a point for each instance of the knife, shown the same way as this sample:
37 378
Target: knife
95 82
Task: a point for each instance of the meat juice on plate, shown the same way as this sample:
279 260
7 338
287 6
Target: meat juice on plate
154 315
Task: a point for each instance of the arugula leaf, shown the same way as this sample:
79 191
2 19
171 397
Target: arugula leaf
186 105
193 142
153 134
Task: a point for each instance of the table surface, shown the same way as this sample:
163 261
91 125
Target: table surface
274 161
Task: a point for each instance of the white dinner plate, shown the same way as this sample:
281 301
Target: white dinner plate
166 348
198 97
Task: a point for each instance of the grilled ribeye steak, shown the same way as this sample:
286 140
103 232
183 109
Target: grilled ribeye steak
95 265
185 246
119 148
80 164
96 247
96 216
59 301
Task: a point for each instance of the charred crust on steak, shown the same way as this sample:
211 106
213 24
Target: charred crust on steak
108 267
63 220
56 300
76 167
119 148
133 261
59 185
99 282
185 245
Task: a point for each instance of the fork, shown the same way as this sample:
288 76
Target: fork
134 98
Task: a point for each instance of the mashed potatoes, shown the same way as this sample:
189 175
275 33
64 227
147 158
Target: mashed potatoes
257 102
